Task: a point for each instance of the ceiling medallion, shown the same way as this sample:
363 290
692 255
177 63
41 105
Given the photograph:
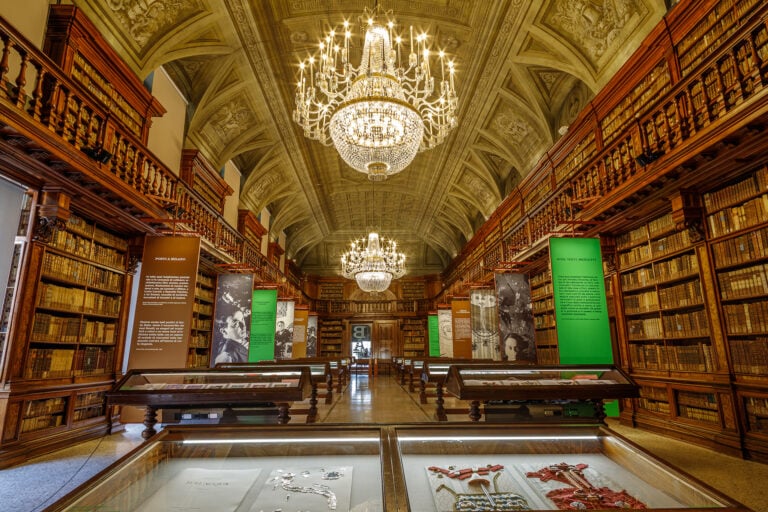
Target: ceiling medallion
380 114
373 263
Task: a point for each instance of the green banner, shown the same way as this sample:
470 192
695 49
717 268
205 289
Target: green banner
434 335
581 313
263 318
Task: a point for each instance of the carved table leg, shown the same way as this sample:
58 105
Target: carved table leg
312 416
282 413
329 391
423 392
440 412
150 420
474 410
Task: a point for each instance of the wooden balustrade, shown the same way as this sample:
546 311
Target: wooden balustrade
38 90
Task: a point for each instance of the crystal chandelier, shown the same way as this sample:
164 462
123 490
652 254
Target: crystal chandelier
381 113
373 263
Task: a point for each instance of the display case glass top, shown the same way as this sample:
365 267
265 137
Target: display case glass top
397 468
514 382
212 386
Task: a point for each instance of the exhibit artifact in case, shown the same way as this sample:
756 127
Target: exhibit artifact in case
419 467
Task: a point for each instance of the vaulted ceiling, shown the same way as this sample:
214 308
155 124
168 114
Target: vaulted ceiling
525 69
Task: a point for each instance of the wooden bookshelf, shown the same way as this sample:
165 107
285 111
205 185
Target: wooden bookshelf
199 353
545 329
68 337
331 337
413 332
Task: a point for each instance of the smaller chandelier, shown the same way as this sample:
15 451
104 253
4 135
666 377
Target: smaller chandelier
381 113
373 263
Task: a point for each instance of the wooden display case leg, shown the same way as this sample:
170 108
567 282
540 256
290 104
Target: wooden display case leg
440 412
474 410
422 392
329 391
282 413
312 416
150 420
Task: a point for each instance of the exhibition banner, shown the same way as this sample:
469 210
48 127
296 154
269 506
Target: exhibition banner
263 321
163 317
485 324
284 329
433 330
581 312
516 327
445 321
312 335
462 328
300 320
232 320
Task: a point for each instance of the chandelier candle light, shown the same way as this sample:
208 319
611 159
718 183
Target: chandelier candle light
381 113
373 263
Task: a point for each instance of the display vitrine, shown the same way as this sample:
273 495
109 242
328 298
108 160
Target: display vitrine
420 467
524 385
267 386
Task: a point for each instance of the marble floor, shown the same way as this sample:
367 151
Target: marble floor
38 483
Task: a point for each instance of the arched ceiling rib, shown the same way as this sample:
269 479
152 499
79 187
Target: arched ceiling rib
524 70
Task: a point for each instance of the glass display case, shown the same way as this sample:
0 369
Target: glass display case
180 388
398 468
521 387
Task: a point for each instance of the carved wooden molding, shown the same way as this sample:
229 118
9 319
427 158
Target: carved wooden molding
201 177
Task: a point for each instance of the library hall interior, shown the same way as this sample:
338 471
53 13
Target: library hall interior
383 255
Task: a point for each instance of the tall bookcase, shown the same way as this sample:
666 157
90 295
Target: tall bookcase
331 339
199 353
545 330
68 337
672 335
413 331
737 221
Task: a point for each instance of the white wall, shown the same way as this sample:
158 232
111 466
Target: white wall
166 135
28 17
232 203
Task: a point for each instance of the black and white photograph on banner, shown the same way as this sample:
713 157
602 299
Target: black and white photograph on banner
232 322
445 326
485 325
516 328
284 329
312 336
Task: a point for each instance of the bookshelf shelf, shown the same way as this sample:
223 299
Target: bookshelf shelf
201 328
70 332
413 332
331 337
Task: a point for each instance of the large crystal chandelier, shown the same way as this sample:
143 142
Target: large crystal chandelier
381 113
373 263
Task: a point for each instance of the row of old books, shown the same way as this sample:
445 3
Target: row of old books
84 248
654 393
738 192
197 360
691 324
682 265
61 267
84 413
41 414
93 360
687 293
641 302
735 218
703 400
669 244
77 300
695 413
88 399
645 328
690 357
200 339
750 355
757 406
744 282
654 406
57 329
43 363
203 309
747 318
741 249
